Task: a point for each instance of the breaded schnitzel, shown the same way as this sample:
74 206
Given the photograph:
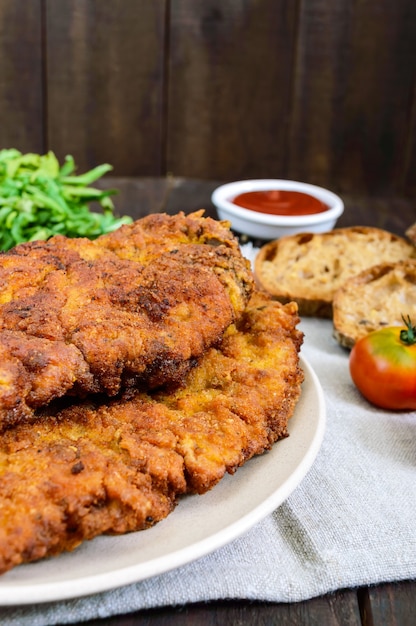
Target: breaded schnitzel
121 466
139 305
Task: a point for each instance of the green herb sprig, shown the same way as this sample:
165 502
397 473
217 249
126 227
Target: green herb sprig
39 199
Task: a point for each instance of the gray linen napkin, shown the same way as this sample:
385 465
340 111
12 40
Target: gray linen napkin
350 522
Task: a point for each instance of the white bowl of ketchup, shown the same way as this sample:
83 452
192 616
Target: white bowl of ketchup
272 208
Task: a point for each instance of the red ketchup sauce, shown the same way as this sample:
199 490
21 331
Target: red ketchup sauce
280 202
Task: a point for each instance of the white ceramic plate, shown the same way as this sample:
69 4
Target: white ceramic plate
198 526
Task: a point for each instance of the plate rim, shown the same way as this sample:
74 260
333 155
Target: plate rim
24 594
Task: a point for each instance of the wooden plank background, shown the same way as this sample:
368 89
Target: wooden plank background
317 90
21 76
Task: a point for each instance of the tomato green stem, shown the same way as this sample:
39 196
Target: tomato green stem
408 336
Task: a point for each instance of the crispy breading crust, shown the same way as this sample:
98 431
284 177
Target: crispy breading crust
141 304
119 467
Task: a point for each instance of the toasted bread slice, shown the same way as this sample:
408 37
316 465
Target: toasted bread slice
411 233
374 299
309 268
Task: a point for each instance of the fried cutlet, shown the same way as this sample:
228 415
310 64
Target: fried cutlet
122 466
138 306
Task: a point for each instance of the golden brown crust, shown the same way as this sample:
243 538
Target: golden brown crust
121 466
141 304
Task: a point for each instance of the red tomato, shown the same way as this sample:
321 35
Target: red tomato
383 367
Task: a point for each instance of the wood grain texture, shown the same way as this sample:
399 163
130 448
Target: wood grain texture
139 196
352 109
336 610
105 82
391 604
230 83
393 213
21 76
407 177
317 90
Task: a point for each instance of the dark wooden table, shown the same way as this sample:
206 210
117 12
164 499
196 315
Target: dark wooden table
389 604
140 196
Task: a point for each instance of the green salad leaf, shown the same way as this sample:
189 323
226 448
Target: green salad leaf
40 198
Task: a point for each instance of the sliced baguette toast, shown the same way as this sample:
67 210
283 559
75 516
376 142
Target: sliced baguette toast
411 233
309 268
374 299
